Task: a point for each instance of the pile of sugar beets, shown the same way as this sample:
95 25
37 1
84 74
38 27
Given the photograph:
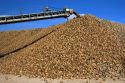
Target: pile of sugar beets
84 47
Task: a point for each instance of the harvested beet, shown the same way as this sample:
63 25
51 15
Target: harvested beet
85 47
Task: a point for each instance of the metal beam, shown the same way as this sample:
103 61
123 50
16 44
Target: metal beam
35 16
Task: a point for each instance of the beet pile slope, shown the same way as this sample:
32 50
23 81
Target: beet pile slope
13 41
85 47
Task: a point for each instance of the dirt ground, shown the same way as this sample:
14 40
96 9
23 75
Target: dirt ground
23 79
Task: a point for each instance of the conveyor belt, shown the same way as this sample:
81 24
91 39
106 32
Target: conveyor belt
35 16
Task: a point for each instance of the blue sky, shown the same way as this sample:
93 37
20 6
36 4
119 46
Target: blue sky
113 10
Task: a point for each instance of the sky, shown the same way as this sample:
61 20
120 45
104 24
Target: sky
113 10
